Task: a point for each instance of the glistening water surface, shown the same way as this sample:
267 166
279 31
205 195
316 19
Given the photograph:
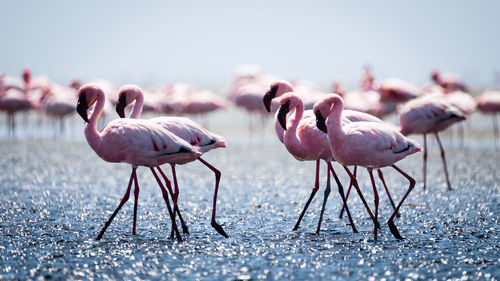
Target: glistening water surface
57 194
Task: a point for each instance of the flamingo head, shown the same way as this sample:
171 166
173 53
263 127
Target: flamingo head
75 84
126 95
276 89
26 75
321 110
435 76
288 102
87 96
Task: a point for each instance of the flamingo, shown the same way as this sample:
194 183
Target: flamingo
489 102
183 128
18 96
367 144
449 82
279 88
59 102
397 90
429 114
306 143
134 141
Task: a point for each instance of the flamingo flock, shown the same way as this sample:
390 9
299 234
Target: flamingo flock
313 125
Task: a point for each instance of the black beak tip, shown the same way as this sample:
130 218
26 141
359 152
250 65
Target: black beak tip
120 107
267 102
320 122
81 108
283 111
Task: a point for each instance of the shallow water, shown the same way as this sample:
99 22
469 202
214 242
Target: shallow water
57 194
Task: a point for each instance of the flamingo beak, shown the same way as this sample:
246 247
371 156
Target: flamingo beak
269 96
283 111
120 106
81 107
320 122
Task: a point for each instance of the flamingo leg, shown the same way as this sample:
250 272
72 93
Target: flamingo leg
136 197
495 127
344 200
214 224
425 160
175 195
348 192
444 161
375 199
355 183
122 202
461 133
165 197
390 222
325 197
381 176
313 192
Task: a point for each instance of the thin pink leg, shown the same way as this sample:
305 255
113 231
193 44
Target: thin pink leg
325 196
165 197
348 192
425 161
136 197
461 133
375 199
495 127
341 191
355 183
381 176
172 193
122 202
390 222
313 192
214 224
444 162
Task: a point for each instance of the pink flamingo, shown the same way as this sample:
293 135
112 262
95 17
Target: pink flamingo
59 102
183 128
489 102
302 133
429 114
449 82
306 143
16 97
134 141
397 90
367 144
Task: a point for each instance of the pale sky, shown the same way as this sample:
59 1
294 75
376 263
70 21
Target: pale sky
201 42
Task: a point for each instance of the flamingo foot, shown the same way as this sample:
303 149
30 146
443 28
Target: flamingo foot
354 229
394 230
185 229
219 229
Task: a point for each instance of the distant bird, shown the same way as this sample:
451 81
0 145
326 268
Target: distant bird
449 82
59 102
429 114
12 101
489 102
134 141
397 90
304 128
367 144
181 127
16 96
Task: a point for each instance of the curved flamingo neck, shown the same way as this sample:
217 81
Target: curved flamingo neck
139 104
91 133
277 127
299 113
334 119
292 141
